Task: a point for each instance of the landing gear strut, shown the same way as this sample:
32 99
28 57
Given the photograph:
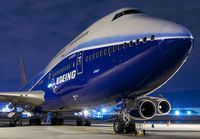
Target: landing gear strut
123 123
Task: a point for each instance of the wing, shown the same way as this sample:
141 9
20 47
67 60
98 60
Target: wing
31 98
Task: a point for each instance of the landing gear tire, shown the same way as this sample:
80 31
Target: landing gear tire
54 121
12 122
118 126
130 128
79 122
60 121
83 122
35 121
20 122
87 122
57 121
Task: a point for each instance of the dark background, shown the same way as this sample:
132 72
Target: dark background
38 29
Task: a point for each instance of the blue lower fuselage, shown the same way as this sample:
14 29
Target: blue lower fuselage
99 76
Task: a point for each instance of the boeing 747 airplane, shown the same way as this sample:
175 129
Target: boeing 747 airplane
119 60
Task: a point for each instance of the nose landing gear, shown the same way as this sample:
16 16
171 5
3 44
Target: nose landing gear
123 124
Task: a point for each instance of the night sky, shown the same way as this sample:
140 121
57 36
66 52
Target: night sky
38 29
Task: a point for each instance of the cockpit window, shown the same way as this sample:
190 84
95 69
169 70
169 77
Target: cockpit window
131 11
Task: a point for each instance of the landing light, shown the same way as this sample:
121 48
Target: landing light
177 112
103 110
188 112
94 111
3 110
85 112
50 85
6 109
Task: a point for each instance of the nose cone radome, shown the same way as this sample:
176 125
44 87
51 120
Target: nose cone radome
176 48
176 44
175 30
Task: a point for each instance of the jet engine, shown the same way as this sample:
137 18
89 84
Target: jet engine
163 106
145 109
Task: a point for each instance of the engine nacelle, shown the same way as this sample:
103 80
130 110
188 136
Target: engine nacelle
145 109
163 107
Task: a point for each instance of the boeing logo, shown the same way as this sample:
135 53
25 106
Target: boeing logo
66 77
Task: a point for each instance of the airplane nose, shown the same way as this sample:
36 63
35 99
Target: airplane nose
175 51
177 44
175 30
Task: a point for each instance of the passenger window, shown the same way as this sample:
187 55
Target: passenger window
74 62
144 39
152 37
114 49
97 54
69 66
86 60
119 47
109 50
101 53
125 46
93 57
105 51
137 41
130 43
90 57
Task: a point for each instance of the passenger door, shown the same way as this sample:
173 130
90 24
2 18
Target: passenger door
79 63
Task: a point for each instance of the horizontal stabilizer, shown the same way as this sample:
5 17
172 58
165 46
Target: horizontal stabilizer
31 98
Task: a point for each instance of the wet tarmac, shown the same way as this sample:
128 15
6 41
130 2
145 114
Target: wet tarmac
98 130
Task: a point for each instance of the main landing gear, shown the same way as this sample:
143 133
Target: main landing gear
123 124
35 120
83 120
56 119
15 117
16 120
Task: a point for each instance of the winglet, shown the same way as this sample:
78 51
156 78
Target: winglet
23 72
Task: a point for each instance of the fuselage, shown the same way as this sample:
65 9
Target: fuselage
126 53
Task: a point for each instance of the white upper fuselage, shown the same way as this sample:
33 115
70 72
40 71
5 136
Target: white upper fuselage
131 24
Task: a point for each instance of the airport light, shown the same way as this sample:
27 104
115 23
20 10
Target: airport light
98 114
103 110
177 112
86 112
3 110
94 111
50 85
189 112
6 109
28 114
